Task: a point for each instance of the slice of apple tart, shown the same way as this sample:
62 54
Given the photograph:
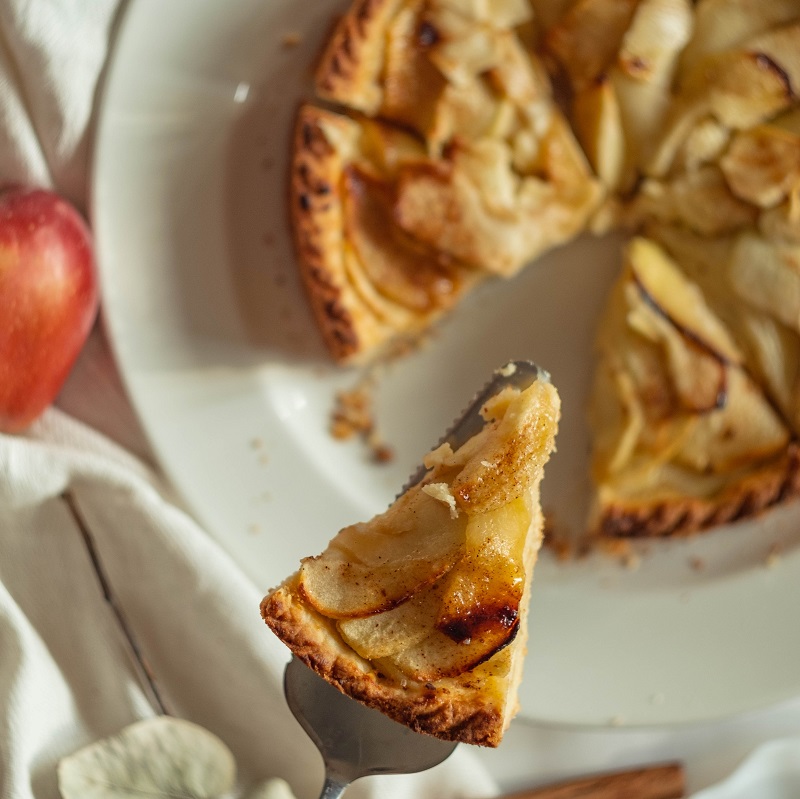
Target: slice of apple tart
422 611
684 437
450 143
368 281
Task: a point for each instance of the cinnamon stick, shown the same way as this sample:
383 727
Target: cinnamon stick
662 781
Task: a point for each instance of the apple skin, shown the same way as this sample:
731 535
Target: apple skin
48 300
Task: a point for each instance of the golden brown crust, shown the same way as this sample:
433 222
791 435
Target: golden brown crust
350 66
312 188
775 483
317 222
456 712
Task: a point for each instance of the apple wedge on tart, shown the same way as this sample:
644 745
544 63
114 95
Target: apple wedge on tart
684 437
421 612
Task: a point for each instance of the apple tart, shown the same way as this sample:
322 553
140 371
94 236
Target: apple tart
689 116
448 162
421 612
473 135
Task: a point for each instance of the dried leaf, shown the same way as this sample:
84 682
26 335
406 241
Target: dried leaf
159 757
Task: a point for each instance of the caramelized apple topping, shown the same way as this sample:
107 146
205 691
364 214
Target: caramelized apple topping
434 586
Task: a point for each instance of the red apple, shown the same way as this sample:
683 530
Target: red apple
48 300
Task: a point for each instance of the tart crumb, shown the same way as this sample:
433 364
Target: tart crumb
442 493
773 556
631 561
564 544
507 370
291 39
353 415
562 548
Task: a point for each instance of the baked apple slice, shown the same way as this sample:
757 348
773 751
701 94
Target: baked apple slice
621 82
722 25
739 88
766 275
684 437
421 612
762 165
700 199
737 281
368 568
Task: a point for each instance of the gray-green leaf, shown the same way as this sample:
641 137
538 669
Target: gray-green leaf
159 757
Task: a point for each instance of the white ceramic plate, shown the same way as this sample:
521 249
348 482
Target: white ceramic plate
213 337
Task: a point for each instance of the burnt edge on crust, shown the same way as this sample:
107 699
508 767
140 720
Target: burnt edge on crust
313 201
755 493
344 73
453 713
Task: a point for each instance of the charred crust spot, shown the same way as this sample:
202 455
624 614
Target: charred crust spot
722 400
336 63
747 507
304 201
635 65
347 46
335 310
463 629
427 35
680 522
312 142
306 179
767 63
364 11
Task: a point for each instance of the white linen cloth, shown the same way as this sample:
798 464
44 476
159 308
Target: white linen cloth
66 678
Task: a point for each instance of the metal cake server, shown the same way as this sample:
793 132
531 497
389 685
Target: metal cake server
357 741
